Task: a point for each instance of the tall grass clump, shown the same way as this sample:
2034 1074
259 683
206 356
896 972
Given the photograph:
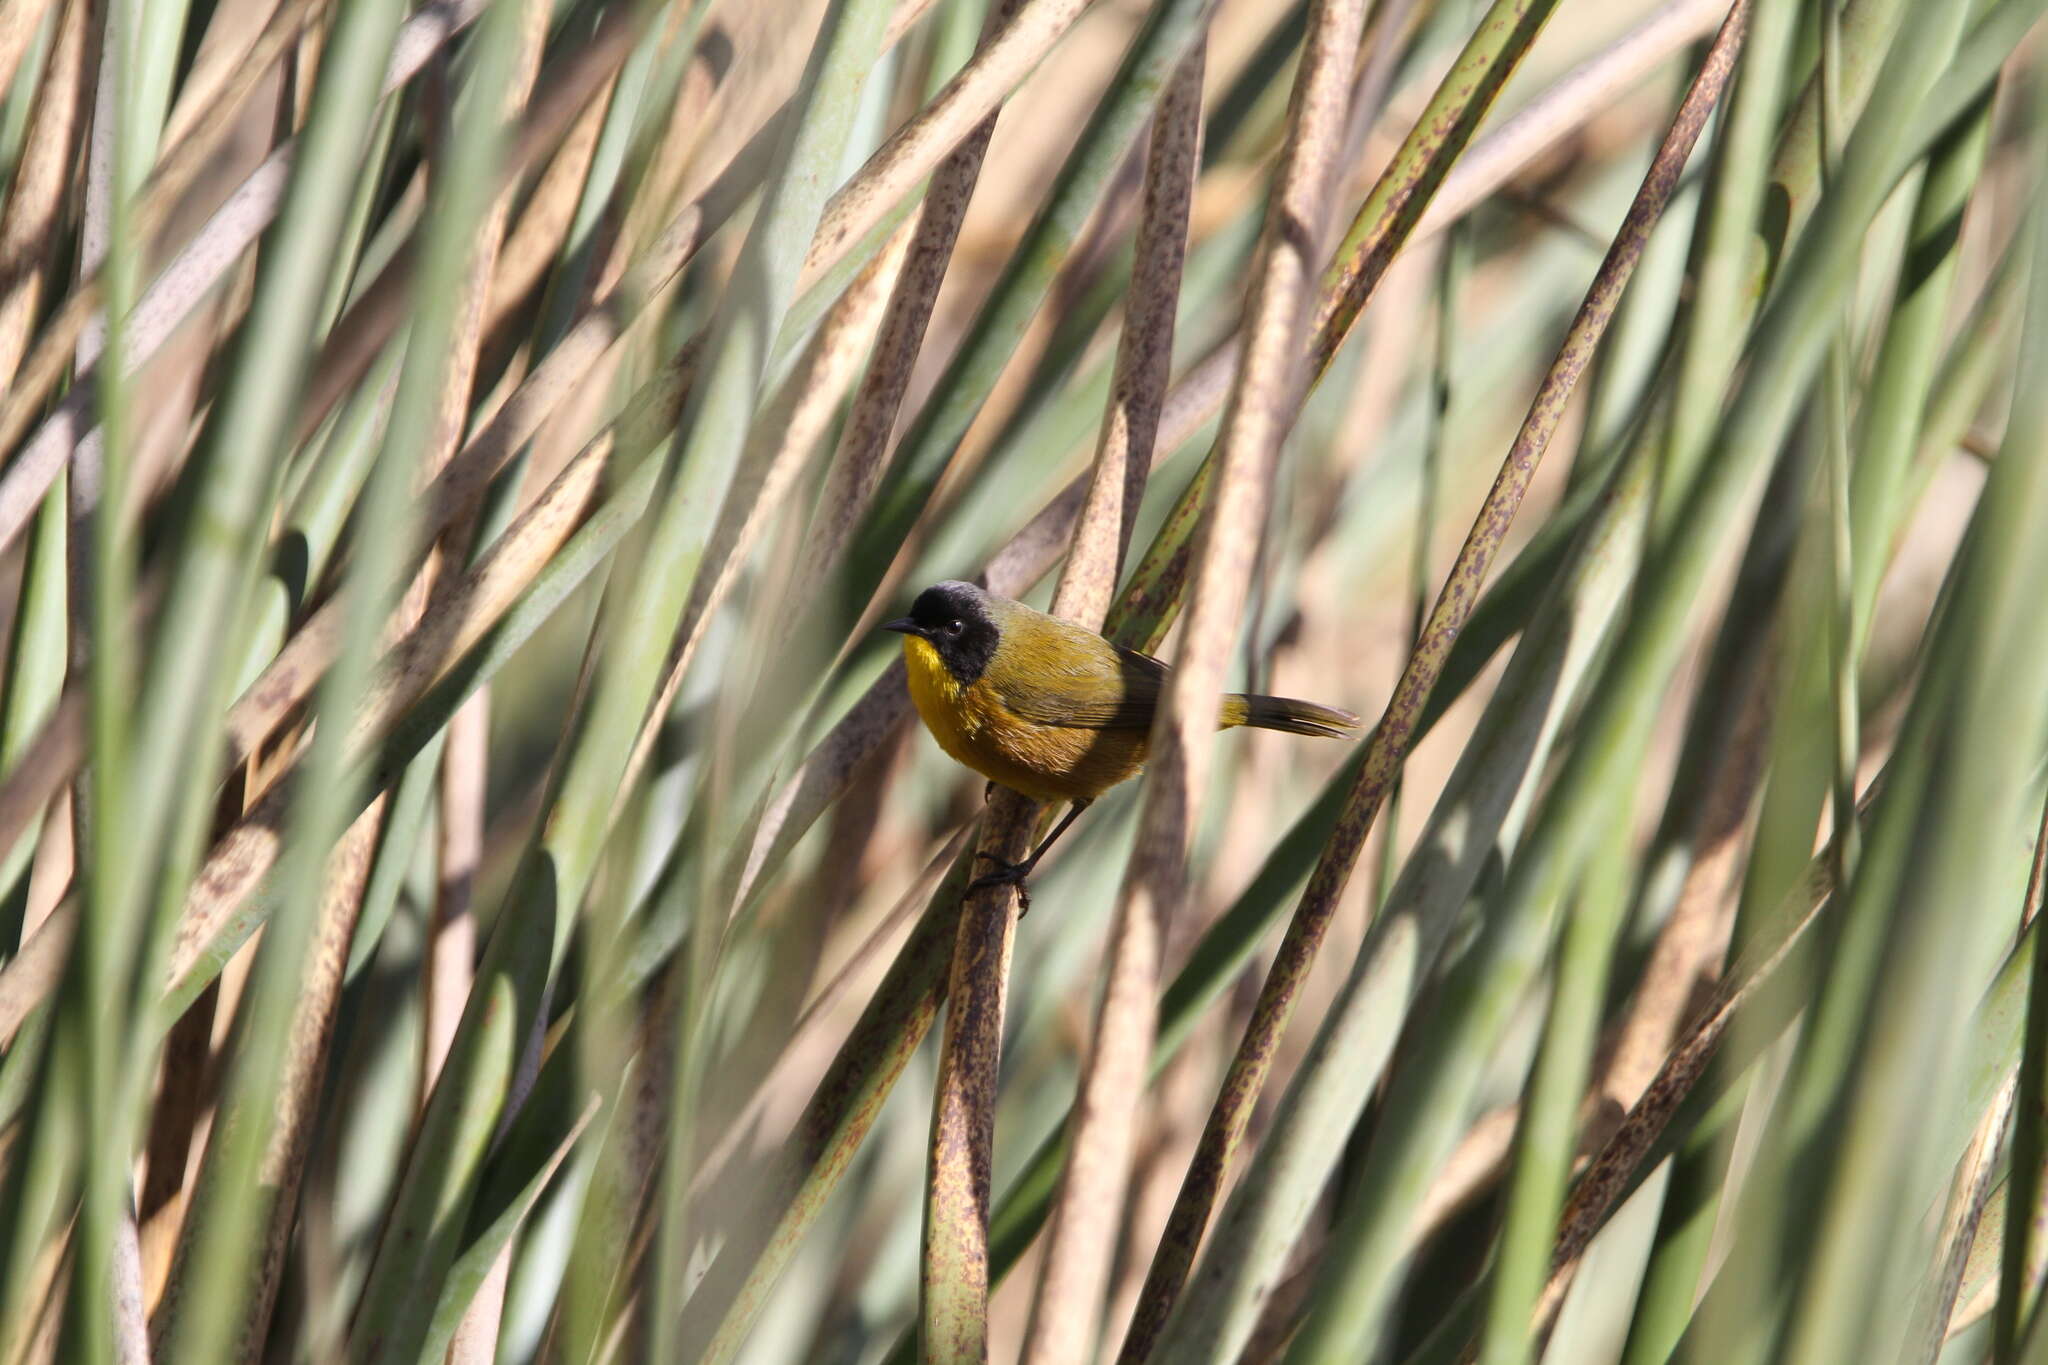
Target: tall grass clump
472 885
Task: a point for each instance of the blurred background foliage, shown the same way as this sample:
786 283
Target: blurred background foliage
471 887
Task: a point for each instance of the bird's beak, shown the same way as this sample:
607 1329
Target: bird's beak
902 625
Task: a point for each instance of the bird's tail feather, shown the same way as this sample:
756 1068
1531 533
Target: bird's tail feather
1285 713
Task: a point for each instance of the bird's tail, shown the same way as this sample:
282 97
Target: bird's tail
1285 713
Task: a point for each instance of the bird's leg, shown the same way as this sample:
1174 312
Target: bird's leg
1014 873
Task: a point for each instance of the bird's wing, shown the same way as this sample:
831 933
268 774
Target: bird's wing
1090 684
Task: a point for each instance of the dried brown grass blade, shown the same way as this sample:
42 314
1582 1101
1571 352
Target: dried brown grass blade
914 149
953 1280
42 178
18 25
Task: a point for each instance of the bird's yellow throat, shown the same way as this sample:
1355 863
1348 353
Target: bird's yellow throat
924 662
936 694
933 688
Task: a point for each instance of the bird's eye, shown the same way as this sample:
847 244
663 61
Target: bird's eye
955 627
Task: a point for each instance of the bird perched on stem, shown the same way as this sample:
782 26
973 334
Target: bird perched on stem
1050 709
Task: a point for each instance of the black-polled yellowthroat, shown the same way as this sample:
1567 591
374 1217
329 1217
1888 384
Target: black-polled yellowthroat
1047 708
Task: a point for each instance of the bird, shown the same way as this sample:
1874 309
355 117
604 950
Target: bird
1048 708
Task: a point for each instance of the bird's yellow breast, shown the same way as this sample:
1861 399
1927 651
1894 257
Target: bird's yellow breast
1046 762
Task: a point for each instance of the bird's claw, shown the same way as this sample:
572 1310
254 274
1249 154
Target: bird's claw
1006 873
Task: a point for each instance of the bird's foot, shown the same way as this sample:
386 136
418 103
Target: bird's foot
1006 873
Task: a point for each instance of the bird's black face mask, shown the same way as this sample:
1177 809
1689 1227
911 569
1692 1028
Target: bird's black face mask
952 617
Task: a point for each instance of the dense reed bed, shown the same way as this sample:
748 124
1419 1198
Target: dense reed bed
472 887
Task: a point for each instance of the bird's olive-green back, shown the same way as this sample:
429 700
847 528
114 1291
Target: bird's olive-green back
1052 672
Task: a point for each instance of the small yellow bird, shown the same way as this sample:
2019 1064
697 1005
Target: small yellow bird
1047 708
